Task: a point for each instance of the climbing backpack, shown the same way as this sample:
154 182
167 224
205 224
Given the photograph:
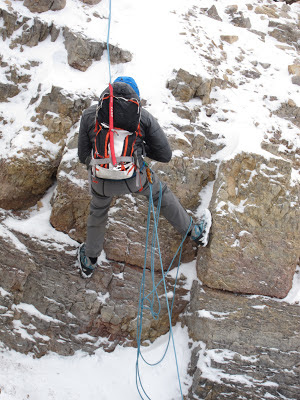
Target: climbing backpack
117 127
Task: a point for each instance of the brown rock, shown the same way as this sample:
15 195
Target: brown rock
187 86
29 174
66 105
40 6
24 180
294 69
255 240
266 10
70 205
229 38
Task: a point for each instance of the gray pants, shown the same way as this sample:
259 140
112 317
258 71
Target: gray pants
102 194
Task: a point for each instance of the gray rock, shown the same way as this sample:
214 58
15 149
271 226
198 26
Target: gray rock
296 80
91 2
252 74
240 21
83 51
8 90
265 65
289 111
231 9
12 22
31 31
285 33
213 13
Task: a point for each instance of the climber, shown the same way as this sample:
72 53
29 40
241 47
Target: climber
150 140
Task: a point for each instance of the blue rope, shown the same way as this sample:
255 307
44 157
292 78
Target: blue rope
107 40
153 295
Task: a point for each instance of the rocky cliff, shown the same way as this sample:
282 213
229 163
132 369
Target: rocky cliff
233 124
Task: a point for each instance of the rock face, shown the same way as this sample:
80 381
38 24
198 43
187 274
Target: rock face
247 347
28 31
24 180
82 51
46 306
255 241
28 174
44 5
68 215
71 206
243 347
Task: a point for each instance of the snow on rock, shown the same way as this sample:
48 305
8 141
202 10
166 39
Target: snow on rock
253 194
244 346
223 82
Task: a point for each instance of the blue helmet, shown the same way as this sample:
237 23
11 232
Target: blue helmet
130 81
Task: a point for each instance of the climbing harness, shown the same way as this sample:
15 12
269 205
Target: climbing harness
148 301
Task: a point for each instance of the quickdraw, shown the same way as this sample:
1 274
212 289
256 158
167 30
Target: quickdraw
149 174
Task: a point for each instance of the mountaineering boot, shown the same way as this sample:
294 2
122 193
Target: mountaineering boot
200 231
85 264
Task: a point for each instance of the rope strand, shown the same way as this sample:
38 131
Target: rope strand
142 298
107 41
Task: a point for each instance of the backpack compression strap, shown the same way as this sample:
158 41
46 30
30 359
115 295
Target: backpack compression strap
111 125
108 160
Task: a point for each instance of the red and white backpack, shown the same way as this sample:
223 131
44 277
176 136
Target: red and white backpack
117 128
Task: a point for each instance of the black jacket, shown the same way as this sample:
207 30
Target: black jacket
153 137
